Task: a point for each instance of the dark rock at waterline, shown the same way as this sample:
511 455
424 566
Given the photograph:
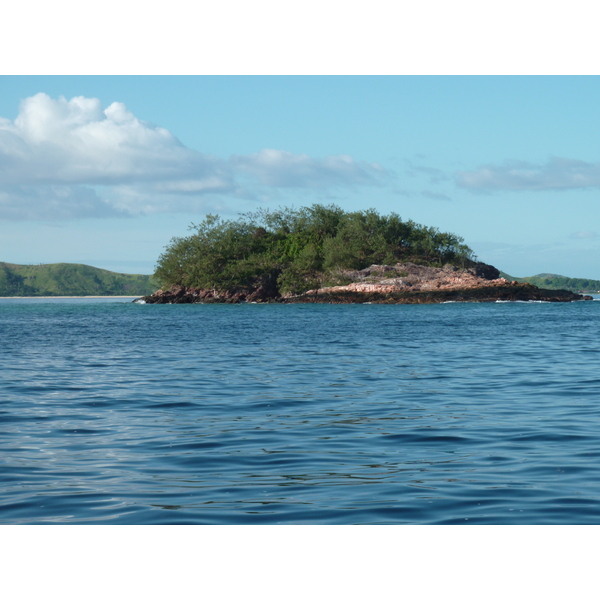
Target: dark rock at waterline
511 292
182 295
506 293
403 283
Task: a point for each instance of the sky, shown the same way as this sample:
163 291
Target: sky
106 170
480 120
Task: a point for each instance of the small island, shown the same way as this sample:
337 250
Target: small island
322 254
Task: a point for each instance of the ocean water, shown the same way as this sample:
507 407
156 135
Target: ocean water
120 413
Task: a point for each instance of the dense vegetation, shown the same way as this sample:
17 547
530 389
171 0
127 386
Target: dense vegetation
293 250
64 279
549 281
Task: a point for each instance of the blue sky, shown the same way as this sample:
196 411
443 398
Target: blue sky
105 170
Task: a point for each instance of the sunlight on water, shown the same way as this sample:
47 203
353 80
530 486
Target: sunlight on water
114 412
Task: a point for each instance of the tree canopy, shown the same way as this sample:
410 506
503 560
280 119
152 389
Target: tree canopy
294 250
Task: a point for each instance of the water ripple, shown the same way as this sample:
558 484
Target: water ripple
445 414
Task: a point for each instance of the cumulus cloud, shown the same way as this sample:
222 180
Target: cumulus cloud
555 174
73 158
76 142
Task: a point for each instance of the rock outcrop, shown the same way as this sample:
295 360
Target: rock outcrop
404 283
183 295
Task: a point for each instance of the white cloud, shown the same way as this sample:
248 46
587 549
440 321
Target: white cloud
72 158
555 174
584 235
49 202
75 141
284 169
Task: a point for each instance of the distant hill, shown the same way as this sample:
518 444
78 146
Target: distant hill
550 281
65 279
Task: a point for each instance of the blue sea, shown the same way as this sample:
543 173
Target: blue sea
119 413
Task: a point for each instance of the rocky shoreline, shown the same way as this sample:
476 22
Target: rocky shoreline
404 283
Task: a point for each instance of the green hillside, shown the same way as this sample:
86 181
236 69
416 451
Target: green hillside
64 279
550 281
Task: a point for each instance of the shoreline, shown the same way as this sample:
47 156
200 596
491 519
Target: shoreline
403 283
58 297
503 291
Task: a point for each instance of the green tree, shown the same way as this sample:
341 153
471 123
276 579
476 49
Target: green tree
299 248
